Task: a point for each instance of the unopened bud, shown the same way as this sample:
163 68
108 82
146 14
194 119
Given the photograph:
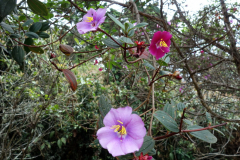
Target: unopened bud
52 56
66 49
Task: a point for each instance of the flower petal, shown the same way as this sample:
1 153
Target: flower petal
135 127
114 147
100 14
84 27
115 115
105 135
130 145
91 13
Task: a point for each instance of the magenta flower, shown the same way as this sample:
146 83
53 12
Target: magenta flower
91 20
100 69
202 51
160 44
143 55
96 62
96 47
123 132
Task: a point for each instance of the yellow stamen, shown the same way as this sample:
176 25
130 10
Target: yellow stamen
89 19
115 127
123 131
120 122
163 43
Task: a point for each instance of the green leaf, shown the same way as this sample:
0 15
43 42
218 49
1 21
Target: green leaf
28 22
126 40
63 140
31 35
110 43
116 21
155 9
22 17
18 55
204 135
162 62
14 36
147 147
215 129
126 26
141 25
42 146
148 65
170 109
164 72
59 143
28 41
181 106
167 121
35 27
37 50
7 27
45 26
43 35
37 7
131 32
209 118
6 7
104 105
52 133
187 122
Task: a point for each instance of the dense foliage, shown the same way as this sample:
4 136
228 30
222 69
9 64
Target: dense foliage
57 85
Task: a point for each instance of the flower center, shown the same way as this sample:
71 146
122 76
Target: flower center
89 19
163 43
120 129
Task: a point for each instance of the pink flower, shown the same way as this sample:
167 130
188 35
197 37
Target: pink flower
160 44
96 62
202 51
91 20
169 23
134 24
96 47
158 26
142 33
123 132
100 69
181 89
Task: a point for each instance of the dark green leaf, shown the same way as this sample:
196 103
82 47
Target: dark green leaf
45 26
28 22
22 17
110 43
167 121
37 7
43 35
59 143
18 54
31 35
116 21
187 122
204 135
7 27
95 144
42 146
63 140
209 118
104 105
35 27
180 106
170 109
164 72
162 62
147 64
28 41
131 32
6 7
126 40
37 50
14 36
141 25
156 9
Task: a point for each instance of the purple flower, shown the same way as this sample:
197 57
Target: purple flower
181 89
169 23
123 132
142 33
91 20
231 21
160 44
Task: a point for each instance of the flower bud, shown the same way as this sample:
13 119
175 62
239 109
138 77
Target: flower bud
66 49
52 56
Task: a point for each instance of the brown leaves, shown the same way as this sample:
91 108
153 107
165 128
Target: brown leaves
71 78
66 49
